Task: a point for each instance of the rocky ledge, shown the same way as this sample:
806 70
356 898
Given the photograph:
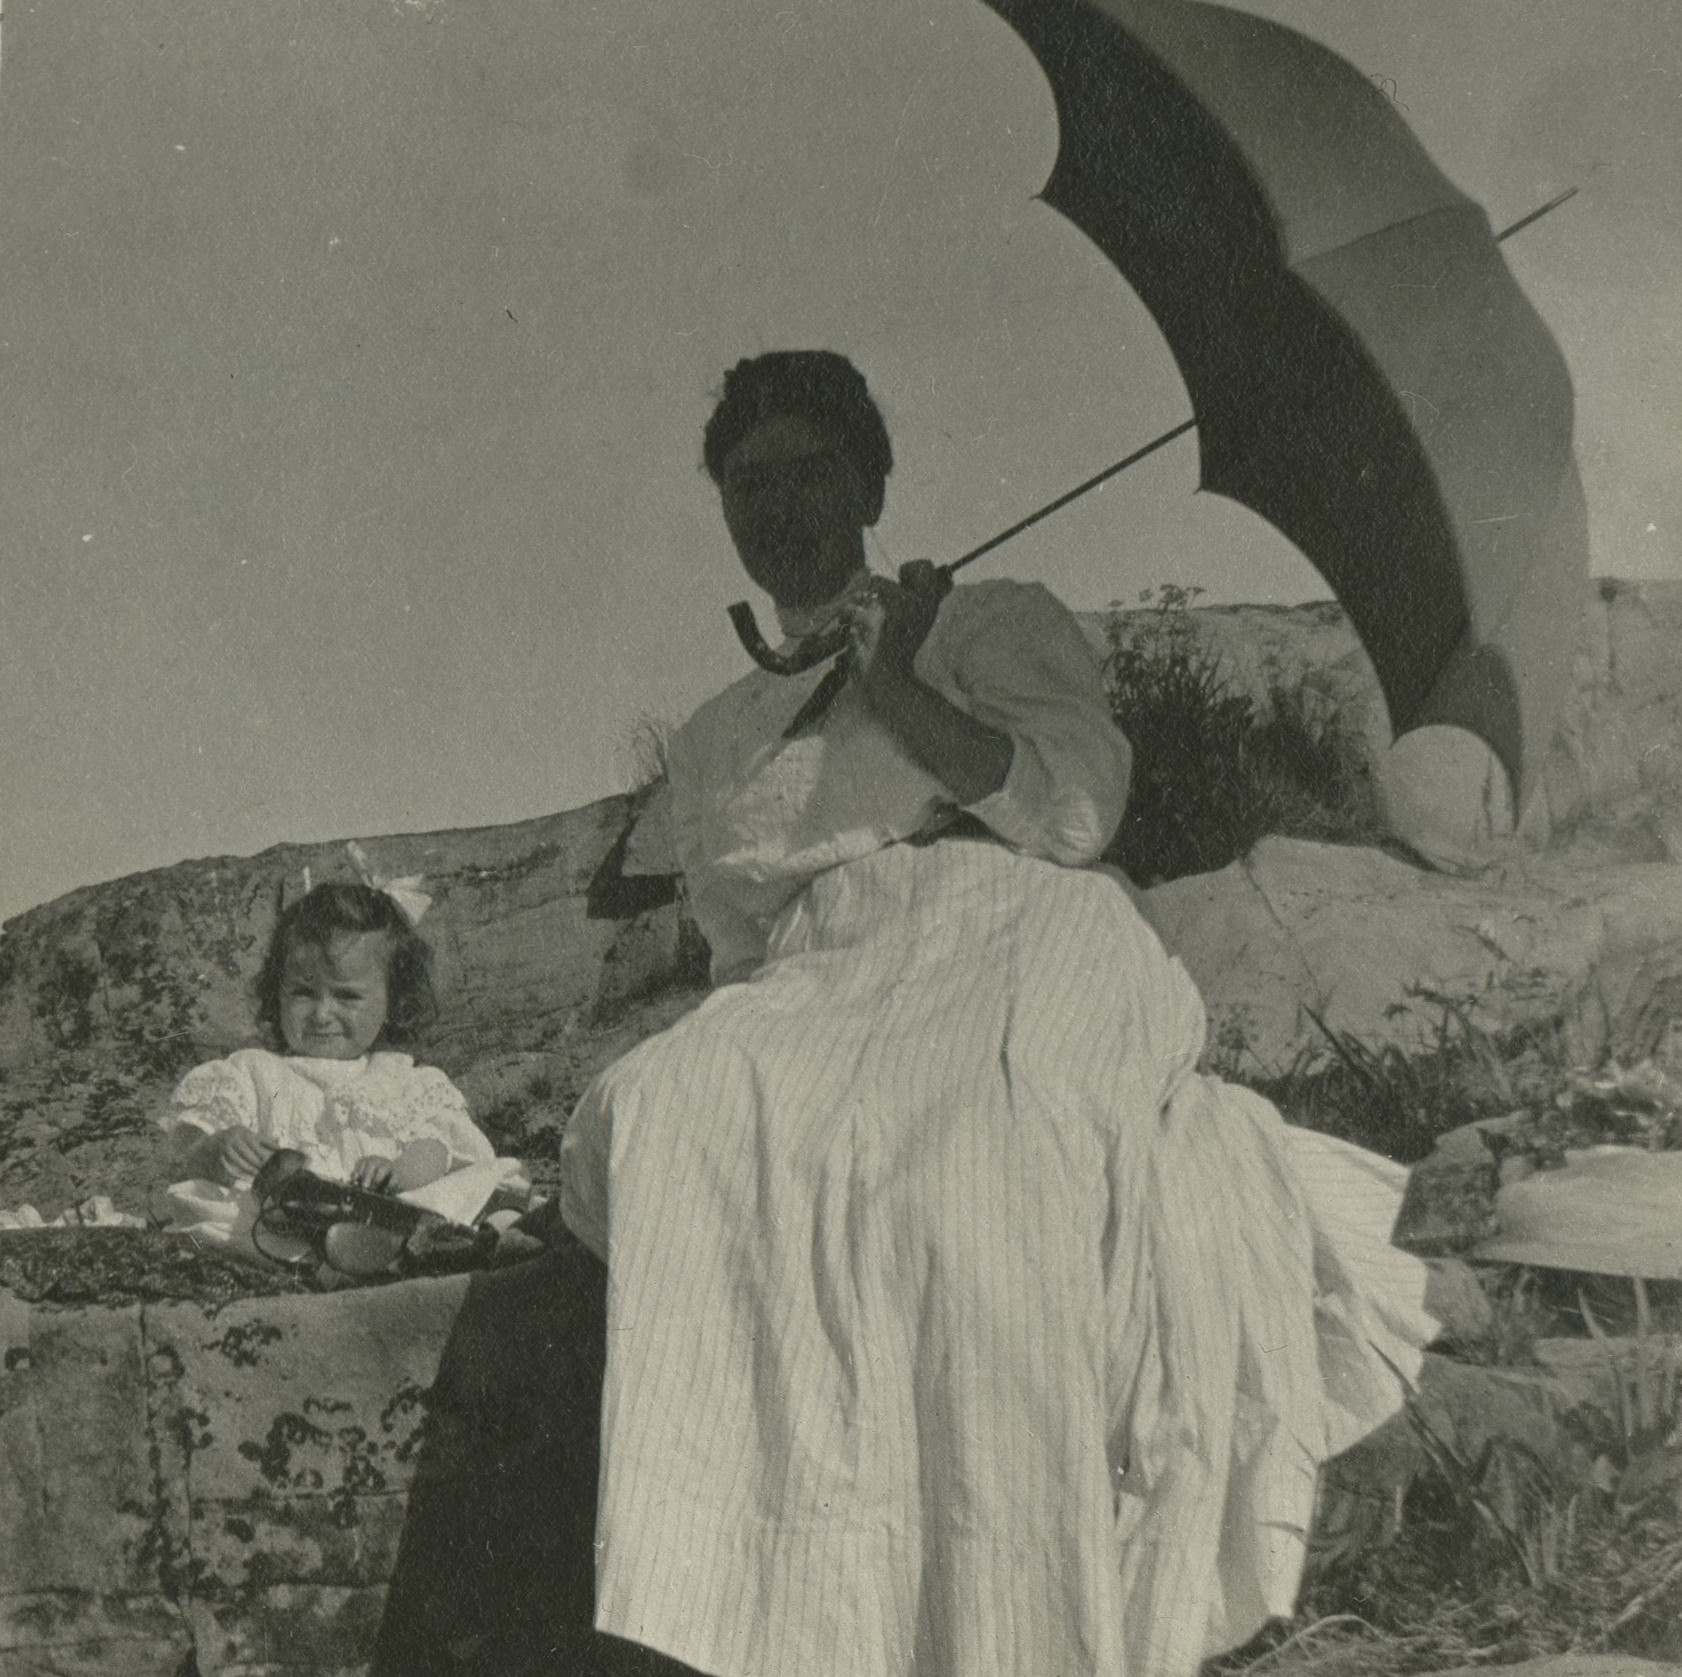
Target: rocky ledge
213 1471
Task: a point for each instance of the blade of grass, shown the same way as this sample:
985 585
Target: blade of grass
1306 1633
1646 1399
1341 1048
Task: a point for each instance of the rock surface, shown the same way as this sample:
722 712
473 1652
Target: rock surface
1375 946
226 1479
239 1482
228 1483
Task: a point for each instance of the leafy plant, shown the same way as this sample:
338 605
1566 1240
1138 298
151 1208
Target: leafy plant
1399 1100
1517 1498
1213 771
1512 1550
1646 1466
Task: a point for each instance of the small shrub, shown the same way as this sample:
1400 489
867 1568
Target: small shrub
1213 772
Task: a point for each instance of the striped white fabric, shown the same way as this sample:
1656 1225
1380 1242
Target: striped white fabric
957 1326
753 816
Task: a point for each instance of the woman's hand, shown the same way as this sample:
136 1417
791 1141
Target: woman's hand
235 1154
885 628
372 1172
887 625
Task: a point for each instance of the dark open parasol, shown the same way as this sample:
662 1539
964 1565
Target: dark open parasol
1364 371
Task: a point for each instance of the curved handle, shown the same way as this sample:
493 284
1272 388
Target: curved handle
811 651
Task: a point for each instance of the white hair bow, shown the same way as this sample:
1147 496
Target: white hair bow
412 902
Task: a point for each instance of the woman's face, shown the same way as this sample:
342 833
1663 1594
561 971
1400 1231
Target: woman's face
796 507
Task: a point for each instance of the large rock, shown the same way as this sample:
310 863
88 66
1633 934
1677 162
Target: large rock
550 960
248 1490
236 1491
230 1483
1375 946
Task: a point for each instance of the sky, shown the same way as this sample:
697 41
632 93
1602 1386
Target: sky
354 361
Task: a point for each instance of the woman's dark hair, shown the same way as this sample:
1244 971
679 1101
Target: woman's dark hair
342 909
814 384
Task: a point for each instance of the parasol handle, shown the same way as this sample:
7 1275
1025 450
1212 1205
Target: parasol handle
812 650
816 648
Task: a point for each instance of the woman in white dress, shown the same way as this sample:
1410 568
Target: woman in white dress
956 1324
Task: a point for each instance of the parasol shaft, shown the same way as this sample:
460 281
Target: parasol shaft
818 647
1536 214
1179 430
1068 495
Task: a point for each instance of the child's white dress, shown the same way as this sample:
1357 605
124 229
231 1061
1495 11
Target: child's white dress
958 1326
333 1111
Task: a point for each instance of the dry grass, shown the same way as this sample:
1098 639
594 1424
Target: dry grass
1505 1554
1509 1554
1495 1560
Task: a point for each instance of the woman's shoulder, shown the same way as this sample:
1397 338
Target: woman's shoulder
999 596
1003 607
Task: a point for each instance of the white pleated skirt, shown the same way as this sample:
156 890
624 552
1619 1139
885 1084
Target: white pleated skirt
957 1326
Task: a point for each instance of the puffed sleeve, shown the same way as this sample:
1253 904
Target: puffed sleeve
434 1106
218 1095
1022 665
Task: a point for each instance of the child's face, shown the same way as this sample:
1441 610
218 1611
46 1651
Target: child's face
333 1001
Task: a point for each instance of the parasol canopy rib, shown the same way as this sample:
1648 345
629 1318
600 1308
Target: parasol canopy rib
1363 369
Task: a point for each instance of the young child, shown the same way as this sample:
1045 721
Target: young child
347 978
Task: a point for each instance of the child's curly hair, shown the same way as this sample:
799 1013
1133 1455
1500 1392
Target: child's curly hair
340 909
